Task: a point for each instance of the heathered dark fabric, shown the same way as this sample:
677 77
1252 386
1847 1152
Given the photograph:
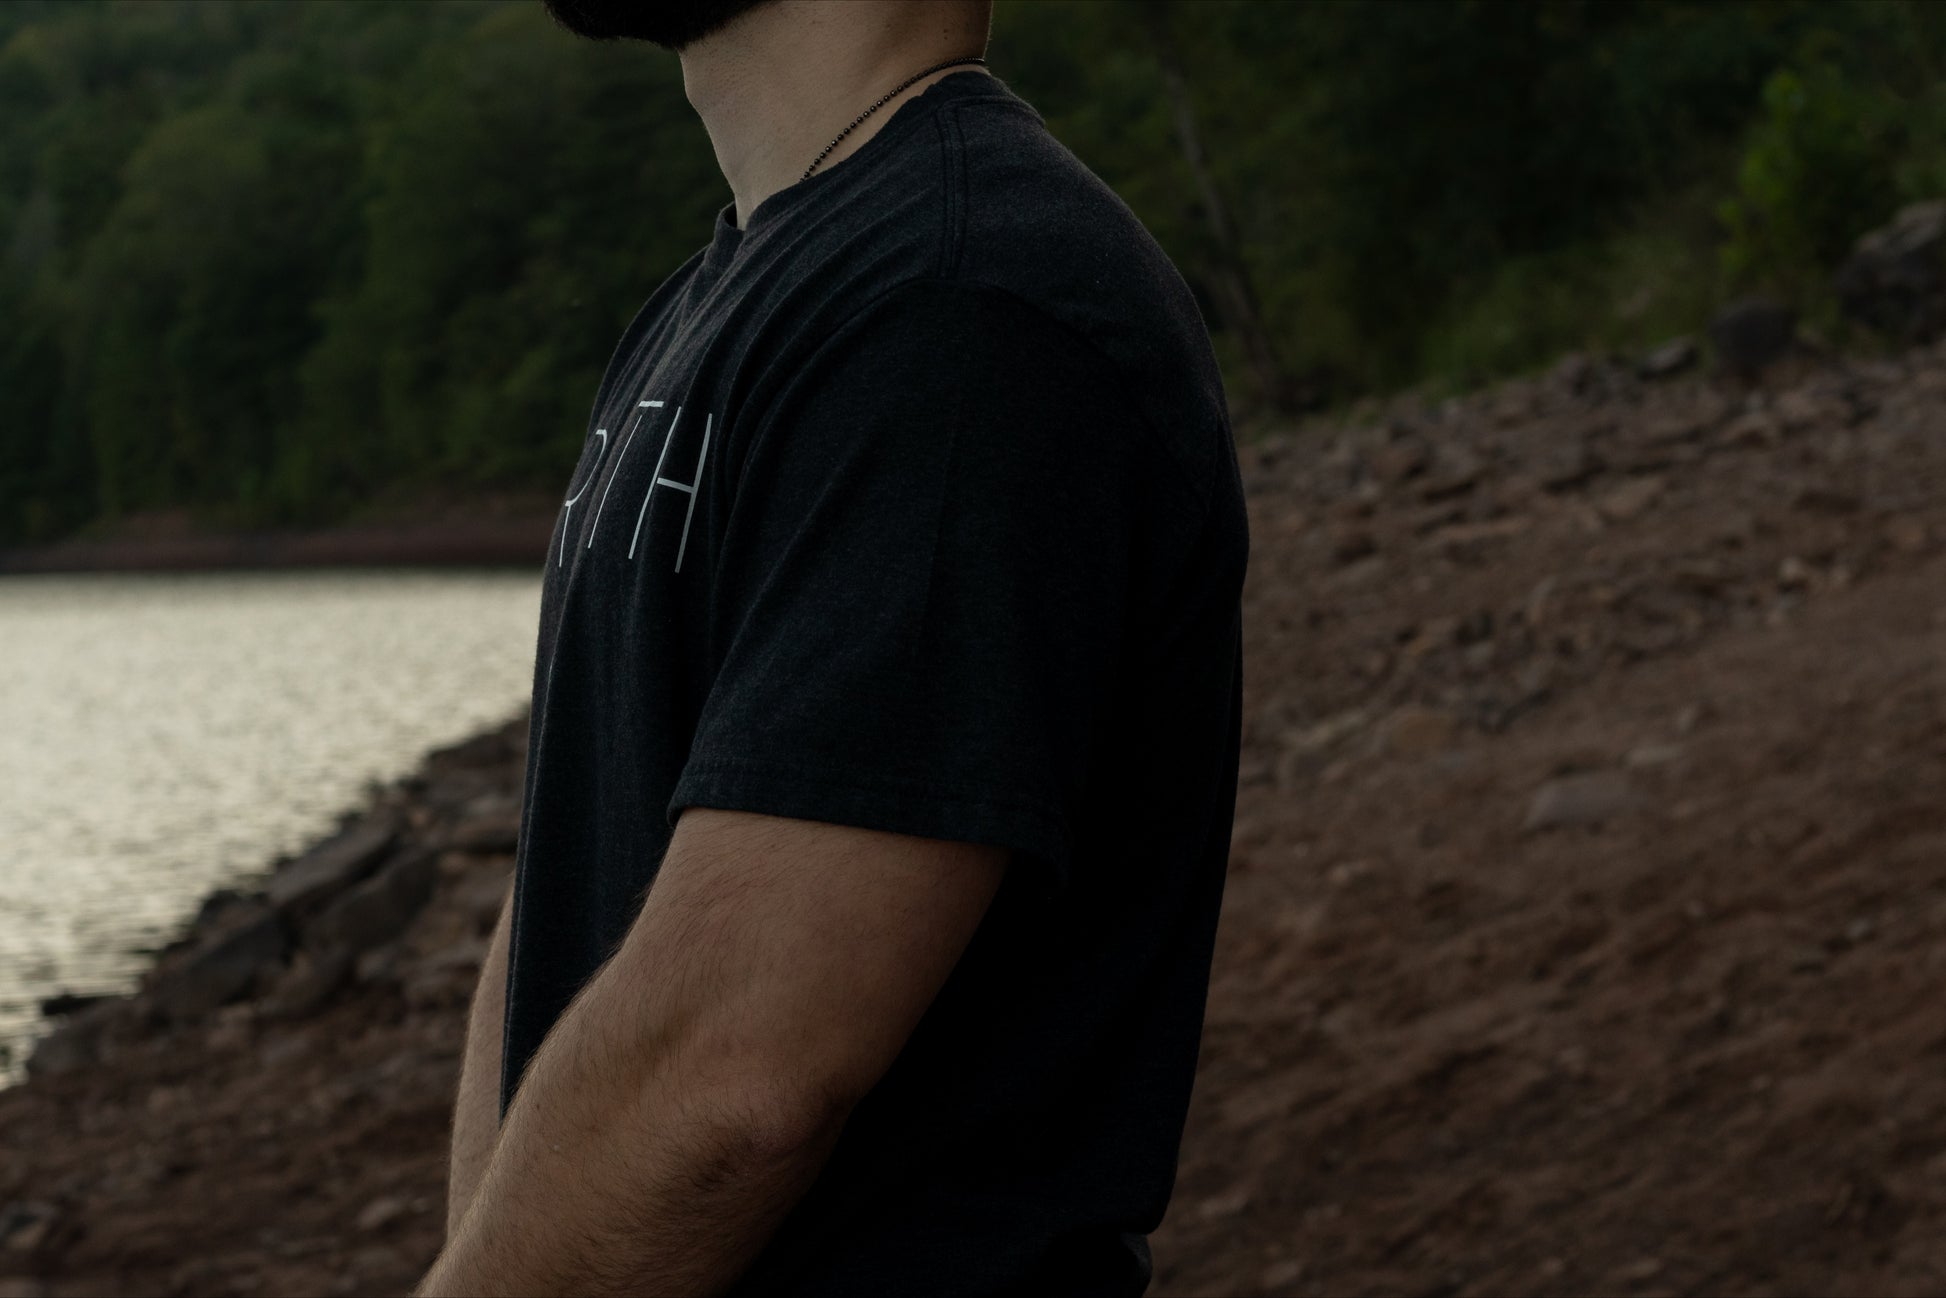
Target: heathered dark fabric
914 506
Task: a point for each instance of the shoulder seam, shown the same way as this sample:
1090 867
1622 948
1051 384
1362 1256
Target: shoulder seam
952 167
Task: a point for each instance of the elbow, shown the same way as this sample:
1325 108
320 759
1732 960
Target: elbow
758 1112
777 1131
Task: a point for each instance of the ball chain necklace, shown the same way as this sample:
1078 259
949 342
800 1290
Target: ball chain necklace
880 104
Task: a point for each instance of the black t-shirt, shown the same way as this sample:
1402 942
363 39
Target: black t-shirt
914 506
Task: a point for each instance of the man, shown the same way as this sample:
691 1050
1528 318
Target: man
886 715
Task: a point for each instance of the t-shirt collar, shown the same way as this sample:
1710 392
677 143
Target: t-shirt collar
726 238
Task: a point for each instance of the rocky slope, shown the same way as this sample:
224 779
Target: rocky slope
269 1113
1586 918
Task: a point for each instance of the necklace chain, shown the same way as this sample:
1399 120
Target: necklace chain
880 104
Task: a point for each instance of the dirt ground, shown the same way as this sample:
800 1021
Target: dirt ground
1585 926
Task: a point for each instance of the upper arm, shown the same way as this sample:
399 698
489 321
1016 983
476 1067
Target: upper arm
789 960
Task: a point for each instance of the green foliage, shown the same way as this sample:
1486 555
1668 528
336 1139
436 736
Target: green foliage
1817 173
272 262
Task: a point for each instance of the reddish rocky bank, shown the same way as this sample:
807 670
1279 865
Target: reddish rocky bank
1584 933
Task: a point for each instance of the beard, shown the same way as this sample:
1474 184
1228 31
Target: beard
672 24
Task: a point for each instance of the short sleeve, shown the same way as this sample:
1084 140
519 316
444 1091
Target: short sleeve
921 595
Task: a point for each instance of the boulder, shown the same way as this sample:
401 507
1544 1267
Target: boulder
312 978
1895 279
1752 333
216 906
378 909
63 1003
491 834
76 1044
222 969
331 866
492 749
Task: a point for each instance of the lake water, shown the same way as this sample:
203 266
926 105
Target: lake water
163 735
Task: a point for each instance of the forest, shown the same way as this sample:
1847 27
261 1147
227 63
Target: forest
279 263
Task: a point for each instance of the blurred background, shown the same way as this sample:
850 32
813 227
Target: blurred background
1588 886
278 263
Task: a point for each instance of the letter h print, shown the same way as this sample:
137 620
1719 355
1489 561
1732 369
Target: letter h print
656 479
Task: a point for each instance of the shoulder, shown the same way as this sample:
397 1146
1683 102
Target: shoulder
1038 226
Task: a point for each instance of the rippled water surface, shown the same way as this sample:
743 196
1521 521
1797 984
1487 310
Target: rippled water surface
163 735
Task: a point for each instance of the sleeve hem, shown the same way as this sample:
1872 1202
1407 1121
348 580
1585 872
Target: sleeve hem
875 801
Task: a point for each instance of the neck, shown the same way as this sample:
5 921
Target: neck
777 83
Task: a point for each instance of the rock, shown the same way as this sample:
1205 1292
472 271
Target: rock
491 804
1227 1204
1751 428
1585 799
379 965
1280 1276
453 792
1907 535
382 1212
378 909
26 1224
1751 334
483 896
162 1100
1351 541
222 969
1259 481
1455 471
76 1044
1798 409
487 750
1430 637
62 1003
466 957
1668 360
309 983
1574 374
1629 498
22 1286
1647 1268
1895 279
1299 744
1567 464
1415 731
215 907
1649 756
331 867
493 834
230 1027
280 1050
439 988
1821 499
1401 461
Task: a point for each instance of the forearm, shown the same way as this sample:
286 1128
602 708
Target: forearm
631 1163
476 1107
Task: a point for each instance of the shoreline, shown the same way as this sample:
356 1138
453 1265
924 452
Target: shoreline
333 987
500 542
